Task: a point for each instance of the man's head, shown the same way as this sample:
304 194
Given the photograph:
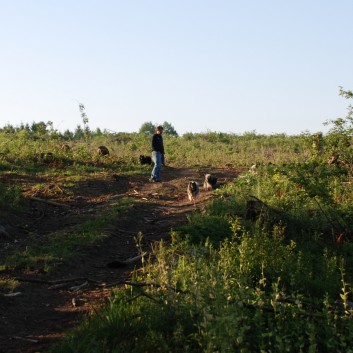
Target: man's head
159 129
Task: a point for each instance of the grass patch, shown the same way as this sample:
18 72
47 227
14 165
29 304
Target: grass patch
8 285
9 197
59 248
202 228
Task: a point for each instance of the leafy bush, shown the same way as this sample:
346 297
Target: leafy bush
9 197
200 229
203 303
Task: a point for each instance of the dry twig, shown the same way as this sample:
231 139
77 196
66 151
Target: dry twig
49 202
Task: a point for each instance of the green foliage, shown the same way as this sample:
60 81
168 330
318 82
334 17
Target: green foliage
19 146
205 228
8 285
62 247
147 128
10 197
168 129
346 94
86 129
339 138
221 300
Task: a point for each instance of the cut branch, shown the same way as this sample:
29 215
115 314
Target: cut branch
49 202
118 263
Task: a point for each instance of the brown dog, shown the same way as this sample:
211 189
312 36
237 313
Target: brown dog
193 190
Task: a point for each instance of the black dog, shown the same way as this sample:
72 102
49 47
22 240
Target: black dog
209 182
145 159
102 151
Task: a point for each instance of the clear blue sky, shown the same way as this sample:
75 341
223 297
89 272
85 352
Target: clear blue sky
236 66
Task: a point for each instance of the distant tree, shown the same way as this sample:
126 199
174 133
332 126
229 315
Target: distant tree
79 133
8 129
87 133
98 132
188 136
68 135
168 129
147 128
39 128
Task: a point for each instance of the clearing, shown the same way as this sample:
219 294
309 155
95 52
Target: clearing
46 307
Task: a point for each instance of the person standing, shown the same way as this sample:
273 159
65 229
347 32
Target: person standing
157 154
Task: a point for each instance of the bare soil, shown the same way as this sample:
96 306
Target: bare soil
47 306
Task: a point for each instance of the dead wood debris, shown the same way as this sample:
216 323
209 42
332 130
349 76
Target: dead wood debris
118 263
10 295
3 232
25 339
77 288
58 283
33 198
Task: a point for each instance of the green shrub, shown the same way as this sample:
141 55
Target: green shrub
204 303
202 228
9 197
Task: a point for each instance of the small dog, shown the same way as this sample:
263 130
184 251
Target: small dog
145 159
253 209
103 151
65 147
193 190
210 182
252 169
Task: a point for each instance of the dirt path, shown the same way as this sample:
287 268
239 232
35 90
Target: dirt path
38 317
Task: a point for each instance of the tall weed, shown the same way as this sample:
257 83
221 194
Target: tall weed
228 300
